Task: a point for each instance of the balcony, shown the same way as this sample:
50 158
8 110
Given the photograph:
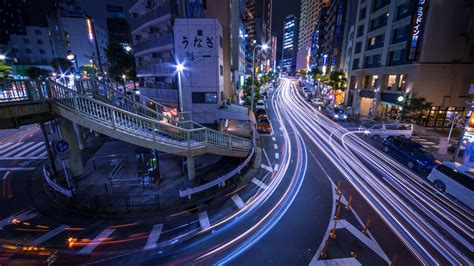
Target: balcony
153 43
160 69
150 15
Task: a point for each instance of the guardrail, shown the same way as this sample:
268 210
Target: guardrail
22 90
137 125
47 176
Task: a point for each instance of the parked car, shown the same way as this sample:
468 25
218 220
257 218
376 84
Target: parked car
260 112
336 113
263 124
378 131
260 105
456 180
317 102
411 153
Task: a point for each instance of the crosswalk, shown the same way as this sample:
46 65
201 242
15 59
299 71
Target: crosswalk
427 143
22 150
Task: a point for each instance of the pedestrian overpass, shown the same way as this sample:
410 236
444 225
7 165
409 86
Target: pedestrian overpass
98 106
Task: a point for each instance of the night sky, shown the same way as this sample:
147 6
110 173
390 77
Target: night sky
281 9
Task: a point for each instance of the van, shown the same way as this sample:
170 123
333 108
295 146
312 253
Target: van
378 131
454 179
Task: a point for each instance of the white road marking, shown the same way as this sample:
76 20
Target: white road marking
96 241
3 151
277 156
40 240
5 176
204 220
259 183
266 156
341 262
20 216
275 146
266 167
274 139
17 169
153 237
238 201
4 145
275 168
25 158
30 149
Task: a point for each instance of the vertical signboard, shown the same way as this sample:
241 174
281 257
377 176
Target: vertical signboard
417 26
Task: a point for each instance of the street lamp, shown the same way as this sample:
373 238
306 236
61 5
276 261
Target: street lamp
180 68
72 57
3 57
252 97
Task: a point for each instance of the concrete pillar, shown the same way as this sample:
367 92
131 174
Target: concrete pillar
191 169
69 135
80 137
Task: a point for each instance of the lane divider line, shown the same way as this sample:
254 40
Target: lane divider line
238 201
96 242
153 237
204 220
259 183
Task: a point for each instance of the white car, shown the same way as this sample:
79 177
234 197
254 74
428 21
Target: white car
454 179
260 105
316 102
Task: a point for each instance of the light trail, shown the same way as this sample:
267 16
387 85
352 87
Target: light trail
430 224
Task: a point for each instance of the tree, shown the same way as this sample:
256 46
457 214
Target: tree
413 108
61 65
36 73
337 80
120 61
302 72
5 69
248 91
87 69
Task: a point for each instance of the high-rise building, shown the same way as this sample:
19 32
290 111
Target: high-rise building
152 36
402 49
12 20
259 21
310 11
111 15
273 61
289 44
238 43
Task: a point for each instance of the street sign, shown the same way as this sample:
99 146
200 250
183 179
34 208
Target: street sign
61 146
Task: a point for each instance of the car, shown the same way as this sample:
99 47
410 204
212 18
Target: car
263 124
454 179
260 105
413 154
260 112
336 113
378 131
317 102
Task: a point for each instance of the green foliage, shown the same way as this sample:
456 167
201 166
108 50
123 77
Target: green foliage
88 69
248 91
120 61
5 69
413 108
61 65
36 73
337 80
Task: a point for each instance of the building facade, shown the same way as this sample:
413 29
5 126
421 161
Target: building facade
238 43
201 96
273 60
310 11
289 44
32 48
259 21
402 49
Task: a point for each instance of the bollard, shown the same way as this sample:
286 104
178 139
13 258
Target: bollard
348 207
333 230
366 227
338 210
324 252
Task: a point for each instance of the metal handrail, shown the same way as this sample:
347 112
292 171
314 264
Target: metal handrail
139 125
111 157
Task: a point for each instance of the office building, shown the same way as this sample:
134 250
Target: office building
273 59
259 21
238 43
310 11
203 74
403 50
289 44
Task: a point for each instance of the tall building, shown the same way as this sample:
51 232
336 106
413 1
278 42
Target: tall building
11 21
221 9
273 60
289 44
152 36
238 43
333 39
403 49
259 21
111 15
310 11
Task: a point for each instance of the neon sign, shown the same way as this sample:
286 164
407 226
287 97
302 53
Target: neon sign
417 28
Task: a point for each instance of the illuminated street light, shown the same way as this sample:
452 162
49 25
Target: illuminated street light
252 97
180 68
400 98
3 57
